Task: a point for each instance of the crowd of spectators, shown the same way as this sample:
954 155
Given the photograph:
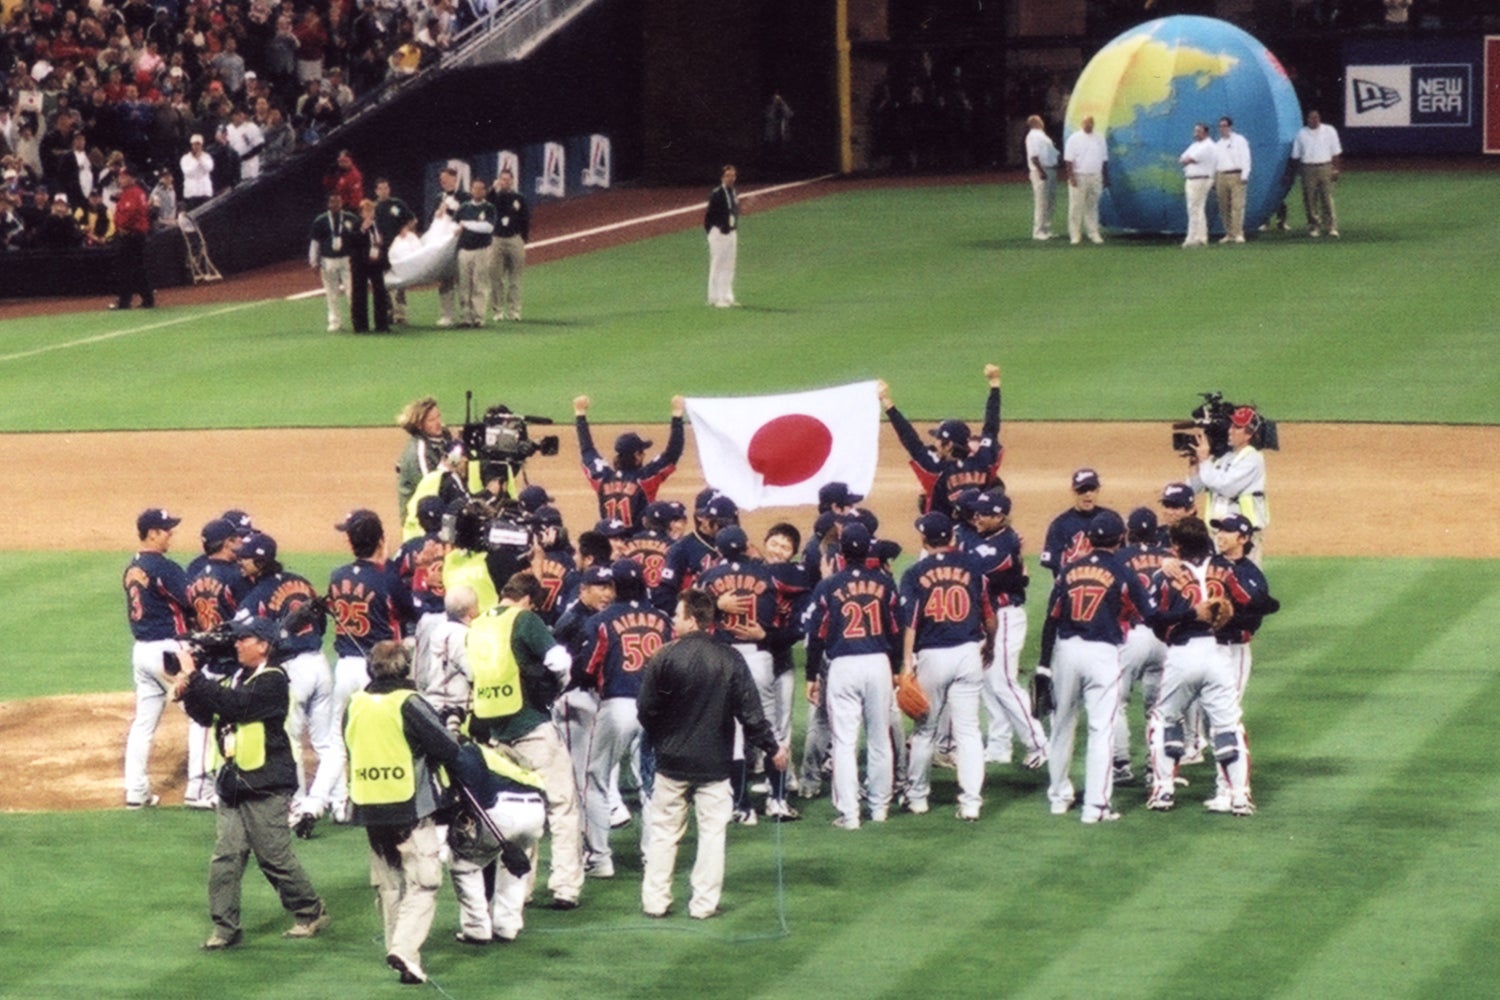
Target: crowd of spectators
196 95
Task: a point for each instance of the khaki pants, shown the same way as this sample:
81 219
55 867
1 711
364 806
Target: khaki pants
406 871
668 822
1317 196
543 751
259 826
473 286
507 265
1229 188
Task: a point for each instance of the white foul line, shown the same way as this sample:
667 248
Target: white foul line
111 335
626 224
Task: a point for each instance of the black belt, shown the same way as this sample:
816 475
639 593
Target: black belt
1230 171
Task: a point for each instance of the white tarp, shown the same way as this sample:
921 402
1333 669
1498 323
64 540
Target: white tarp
421 261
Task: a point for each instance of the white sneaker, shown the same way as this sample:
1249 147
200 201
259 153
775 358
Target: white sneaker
1241 239
845 823
150 801
1095 814
1096 239
1061 808
335 327
917 807
1217 804
599 869
1226 239
1334 233
879 815
967 815
1314 233
204 802
444 322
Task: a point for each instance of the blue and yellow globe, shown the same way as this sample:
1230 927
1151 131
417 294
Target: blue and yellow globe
1147 88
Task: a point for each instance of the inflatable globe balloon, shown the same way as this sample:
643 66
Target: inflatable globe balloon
1147 88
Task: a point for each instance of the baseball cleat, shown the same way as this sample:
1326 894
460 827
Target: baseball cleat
846 823
205 802
1242 807
1098 814
1061 808
562 903
967 815
917 807
1123 775
944 758
599 869
1035 760
1160 803
463 938
302 825
1217 804
150 801
745 817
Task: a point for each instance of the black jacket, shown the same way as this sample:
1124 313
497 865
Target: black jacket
692 693
252 696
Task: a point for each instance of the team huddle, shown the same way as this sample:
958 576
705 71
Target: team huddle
487 693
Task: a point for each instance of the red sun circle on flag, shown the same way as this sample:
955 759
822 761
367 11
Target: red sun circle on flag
790 449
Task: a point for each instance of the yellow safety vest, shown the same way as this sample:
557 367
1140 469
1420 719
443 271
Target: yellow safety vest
497 673
242 742
462 568
507 768
382 770
427 486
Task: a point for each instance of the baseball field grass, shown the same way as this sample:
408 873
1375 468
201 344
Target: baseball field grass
1366 872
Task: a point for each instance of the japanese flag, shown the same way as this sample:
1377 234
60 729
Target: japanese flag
773 451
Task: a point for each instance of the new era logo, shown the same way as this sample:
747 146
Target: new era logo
1369 95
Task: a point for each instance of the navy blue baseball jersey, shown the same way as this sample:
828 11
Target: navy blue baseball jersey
1143 561
215 591
689 556
943 598
1092 599
415 592
743 578
277 596
852 613
362 598
999 556
621 638
649 548
553 573
943 479
624 493
1068 538
156 602
1176 595
1247 620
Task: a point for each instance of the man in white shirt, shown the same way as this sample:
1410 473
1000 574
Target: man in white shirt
1236 480
1041 161
1087 158
246 139
197 175
1316 151
1232 179
1198 162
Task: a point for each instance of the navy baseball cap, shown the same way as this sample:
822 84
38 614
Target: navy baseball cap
663 512
359 521
721 508
837 495
951 430
864 518
965 498
1178 496
629 443
1234 522
532 497
732 541
677 510
258 546
611 528
704 496
990 502
240 520
257 628
1085 480
598 576
156 517
824 524
1106 528
625 571
935 526
547 516
885 550
217 532
1142 521
430 511
854 542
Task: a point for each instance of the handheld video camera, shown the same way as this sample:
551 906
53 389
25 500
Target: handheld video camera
210 646
1212 418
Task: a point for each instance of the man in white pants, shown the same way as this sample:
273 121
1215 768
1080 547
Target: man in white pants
1196 669
1142 654
328 254
693 691
852 623
1198 170
1083 627
512 797
721 223
944 622
1041 161
1087 158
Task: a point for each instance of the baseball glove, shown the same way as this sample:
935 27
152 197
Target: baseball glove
1220 610
910 697
1042 702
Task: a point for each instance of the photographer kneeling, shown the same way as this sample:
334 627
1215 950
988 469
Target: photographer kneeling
247 713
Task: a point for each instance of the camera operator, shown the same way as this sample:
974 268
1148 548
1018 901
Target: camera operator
1236 480
255 785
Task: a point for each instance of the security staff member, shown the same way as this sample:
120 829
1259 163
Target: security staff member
508 252
328 254
255 783
396 741
518 670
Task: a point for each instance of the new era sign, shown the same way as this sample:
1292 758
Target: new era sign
1402 96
